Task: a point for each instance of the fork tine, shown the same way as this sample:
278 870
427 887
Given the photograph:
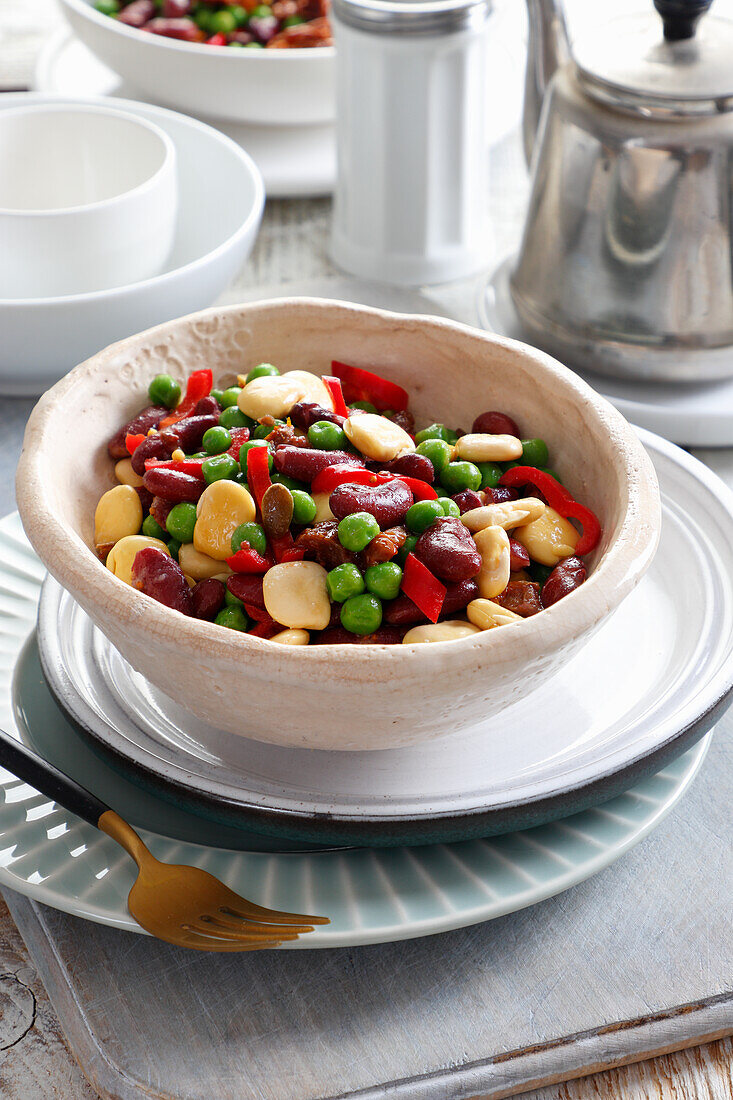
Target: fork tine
243 924
245 910
216 932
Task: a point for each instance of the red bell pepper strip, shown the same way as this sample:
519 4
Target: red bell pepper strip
362 385
265 630
420 490
258 472
423 588
283 546
218 39
560 499
185 465
247 560
339 405
132 442
199 385
293 554
239 436
258 613
341 474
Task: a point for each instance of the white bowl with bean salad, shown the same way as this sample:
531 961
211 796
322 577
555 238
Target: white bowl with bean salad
301 494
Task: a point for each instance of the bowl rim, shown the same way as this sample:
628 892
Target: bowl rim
86 11
614 576
121 106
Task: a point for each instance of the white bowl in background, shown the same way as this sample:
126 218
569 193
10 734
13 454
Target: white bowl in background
280 87
76 215
220 202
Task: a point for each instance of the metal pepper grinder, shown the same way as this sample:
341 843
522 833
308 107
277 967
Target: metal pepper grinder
410 205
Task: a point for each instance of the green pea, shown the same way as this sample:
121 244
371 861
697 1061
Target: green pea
433 431
458 476
263 430
181 521
407 547
450 508
233 617
230 397
264 370
232 417
230 600
217 395
240 14
173 547
246 447
451 437
534 452
356 531
384 579
490 474
254 46
202 19
326 436
343 582
304 506
293 21
552 473
164 390
216 440
422 514
365 406
108 7
152 529
236 45
438 451
290 483
219 468
222 22
362 614
251 534
262 11
389 413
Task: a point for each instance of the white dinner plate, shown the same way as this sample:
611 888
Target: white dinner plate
649 684
691 414
371 896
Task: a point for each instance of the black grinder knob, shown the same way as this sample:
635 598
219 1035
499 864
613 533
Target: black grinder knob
680 17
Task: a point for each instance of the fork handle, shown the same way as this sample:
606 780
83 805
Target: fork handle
27 765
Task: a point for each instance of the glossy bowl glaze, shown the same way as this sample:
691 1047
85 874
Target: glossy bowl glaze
265 87
338 697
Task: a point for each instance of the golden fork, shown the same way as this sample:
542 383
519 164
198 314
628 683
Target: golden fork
176 903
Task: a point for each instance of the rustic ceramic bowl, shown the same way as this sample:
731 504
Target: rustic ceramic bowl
338 697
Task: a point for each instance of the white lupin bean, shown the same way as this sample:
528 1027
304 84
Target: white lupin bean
221 508
481 447
292 637
275 395
378 438
550 538
323 508
118 514
122 555
125 473
510 514
296 595
201 566
485 614
449 631
492 544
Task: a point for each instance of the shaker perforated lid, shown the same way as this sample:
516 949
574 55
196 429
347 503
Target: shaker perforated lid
412 16
673 60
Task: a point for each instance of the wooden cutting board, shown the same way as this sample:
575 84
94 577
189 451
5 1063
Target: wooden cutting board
634 962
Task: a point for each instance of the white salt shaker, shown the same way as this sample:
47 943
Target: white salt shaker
411 203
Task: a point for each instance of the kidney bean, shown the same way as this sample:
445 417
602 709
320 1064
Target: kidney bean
277 511
387 634
156 574
405 420
495 423
448 550
321 543
137 13
468 499
174 485
207 598
518 556
139 425
152 447
412 465
457 596
183 29
387 503
159 509
247 587
305 413
263 27
384 546
304 463
567 575
521 597
146 497
501 494
175 9
188 433
207 406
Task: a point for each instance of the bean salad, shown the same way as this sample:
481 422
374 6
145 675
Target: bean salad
249 24
308 510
